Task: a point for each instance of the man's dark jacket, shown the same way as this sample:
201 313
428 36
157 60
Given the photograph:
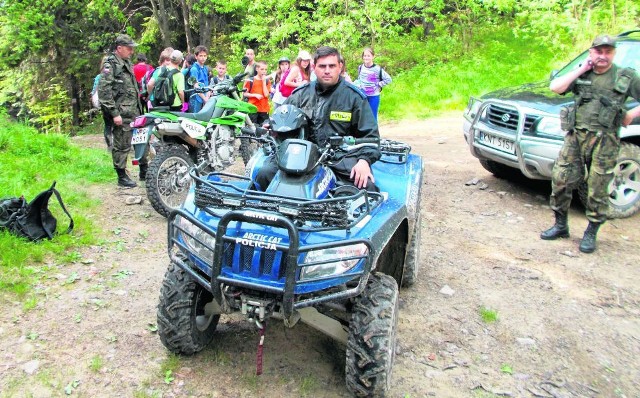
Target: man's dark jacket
341 109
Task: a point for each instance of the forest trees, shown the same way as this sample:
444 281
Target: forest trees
50 50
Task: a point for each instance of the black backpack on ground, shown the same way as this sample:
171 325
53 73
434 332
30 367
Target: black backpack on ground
32 220
163 92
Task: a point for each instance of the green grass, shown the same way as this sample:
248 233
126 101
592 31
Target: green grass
29 163
448 74
488 315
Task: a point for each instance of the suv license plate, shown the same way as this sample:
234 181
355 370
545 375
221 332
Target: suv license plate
139 136
496 142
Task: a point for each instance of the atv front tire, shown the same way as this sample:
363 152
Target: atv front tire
168 178
371 344
184 324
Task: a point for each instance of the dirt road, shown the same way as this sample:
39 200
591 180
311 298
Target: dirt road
568 324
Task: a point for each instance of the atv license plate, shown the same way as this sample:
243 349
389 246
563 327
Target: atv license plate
139 136
496 142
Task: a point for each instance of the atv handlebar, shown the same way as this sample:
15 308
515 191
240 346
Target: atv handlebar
350 140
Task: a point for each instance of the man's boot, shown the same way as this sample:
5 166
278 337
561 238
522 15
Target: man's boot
124 180
143 171
559 230
588 243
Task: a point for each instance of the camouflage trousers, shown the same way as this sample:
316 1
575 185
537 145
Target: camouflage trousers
590 154
122 145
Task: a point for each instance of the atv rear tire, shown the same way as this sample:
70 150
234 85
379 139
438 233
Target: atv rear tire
168 178
371 345
184 326
624 190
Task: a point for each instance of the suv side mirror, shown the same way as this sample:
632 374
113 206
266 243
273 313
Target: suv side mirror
553 74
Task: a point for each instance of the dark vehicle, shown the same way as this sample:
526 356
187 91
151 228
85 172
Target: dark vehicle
519 128
306 249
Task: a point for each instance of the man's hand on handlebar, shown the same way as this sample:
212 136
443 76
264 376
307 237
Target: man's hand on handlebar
360 173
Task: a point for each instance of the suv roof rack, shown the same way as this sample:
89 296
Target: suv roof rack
628 32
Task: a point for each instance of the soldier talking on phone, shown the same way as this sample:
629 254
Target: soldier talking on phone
592 141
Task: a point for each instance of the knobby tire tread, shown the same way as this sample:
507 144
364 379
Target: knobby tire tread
151 181
176 314
372 337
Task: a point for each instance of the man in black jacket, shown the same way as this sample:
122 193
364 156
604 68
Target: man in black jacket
335 107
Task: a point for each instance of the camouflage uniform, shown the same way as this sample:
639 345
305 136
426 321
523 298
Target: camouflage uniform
118 92
594 142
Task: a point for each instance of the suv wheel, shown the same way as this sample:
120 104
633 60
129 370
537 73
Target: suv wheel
371 346
624 190
185 325
499 170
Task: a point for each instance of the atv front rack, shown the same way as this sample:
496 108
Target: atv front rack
230 191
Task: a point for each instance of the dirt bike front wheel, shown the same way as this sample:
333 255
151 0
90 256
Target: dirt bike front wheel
168 178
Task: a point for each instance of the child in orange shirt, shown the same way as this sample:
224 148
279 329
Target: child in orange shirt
257 91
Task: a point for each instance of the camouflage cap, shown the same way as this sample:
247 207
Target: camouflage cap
125 40
604 40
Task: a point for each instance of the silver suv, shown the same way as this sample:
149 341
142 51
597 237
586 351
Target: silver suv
519 128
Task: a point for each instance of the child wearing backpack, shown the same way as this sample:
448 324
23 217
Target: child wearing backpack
221 68
168 87
276 78
201 74
257 91
371 79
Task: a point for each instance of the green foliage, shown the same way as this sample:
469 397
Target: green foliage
50 49
30 163
448 75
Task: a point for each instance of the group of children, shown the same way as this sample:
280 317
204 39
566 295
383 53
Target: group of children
260 88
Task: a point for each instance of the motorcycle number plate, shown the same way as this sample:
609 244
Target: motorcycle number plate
139 136
192 128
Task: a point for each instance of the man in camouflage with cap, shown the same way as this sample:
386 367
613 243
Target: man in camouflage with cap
592 140
118 92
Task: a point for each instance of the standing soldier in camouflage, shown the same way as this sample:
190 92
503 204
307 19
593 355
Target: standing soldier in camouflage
118 92
601 89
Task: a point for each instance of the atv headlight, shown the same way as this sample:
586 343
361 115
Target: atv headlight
335 261
550 125
193 237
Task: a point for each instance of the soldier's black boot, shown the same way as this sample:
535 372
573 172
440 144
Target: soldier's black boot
559 230
124 180
588 243
143 171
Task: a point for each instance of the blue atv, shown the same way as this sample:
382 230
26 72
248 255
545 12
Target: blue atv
306 248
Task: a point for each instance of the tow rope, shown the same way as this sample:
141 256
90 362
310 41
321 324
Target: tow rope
260 347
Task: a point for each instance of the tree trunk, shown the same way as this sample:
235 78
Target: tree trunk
205 29
75 100
160 13
186 16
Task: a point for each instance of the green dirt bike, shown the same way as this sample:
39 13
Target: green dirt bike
181 140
